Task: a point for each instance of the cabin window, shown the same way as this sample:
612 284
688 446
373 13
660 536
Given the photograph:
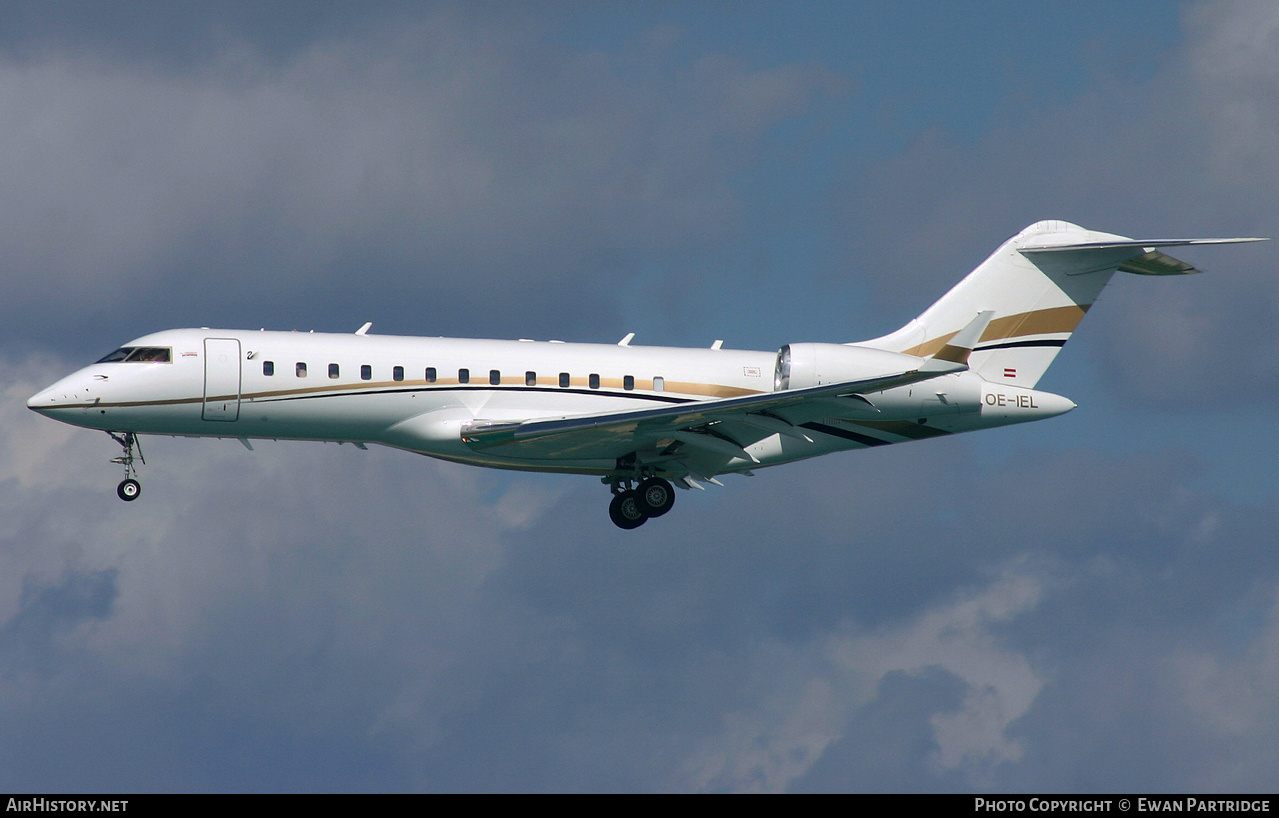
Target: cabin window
659 383
430 374
495 377
595 381
301 369
268 368
628 382
530 379
366 372
464 376
333 371
564 380
397 374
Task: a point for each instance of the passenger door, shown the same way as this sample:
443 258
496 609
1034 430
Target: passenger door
221 379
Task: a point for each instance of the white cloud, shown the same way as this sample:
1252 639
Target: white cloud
1229 699
238 570
436 156
809 696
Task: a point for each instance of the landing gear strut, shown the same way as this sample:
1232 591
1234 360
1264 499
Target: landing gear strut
129 487
631 507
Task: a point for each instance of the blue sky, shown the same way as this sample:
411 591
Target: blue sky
1083 604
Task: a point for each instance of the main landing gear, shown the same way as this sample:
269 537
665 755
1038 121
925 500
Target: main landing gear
129 487
631 507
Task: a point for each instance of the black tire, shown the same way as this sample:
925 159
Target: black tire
128 490
626 511
656 496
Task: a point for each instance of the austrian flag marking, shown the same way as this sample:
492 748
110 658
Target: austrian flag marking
1010 372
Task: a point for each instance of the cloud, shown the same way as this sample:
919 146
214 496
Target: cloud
156 604
1012 611
800 720
445 159
1184 150
47 610
376 620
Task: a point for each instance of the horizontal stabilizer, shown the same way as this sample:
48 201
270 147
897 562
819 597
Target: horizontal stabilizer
1106 245
1129 256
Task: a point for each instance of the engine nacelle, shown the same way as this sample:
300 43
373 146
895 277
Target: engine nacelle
801 365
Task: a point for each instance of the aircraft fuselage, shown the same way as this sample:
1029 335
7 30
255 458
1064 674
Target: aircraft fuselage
419 393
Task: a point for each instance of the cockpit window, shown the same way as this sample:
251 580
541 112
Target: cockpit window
119 355
150 355
145 355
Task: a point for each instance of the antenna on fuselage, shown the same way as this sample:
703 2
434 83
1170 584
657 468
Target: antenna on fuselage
364 329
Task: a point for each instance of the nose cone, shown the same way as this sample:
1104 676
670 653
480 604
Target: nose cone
41 402
66 399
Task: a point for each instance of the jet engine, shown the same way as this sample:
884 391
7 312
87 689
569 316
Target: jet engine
801 365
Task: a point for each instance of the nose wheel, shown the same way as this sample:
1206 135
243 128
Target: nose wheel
129 487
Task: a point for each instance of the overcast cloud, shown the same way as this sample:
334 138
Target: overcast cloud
1085 604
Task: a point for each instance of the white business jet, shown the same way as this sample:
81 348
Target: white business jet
643 419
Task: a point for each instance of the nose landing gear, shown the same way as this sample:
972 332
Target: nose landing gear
129 487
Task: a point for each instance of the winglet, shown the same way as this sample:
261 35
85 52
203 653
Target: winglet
954 354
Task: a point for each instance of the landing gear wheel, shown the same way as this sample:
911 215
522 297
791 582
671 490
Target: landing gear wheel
626 510
656 496
129 489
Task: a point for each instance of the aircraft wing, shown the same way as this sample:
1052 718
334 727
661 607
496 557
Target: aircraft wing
714 427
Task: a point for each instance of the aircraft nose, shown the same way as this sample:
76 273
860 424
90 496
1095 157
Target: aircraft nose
47 401
41 401
72 392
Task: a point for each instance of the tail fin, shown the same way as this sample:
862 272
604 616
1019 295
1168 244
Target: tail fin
1038 284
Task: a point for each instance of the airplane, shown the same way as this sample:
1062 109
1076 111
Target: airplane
642 419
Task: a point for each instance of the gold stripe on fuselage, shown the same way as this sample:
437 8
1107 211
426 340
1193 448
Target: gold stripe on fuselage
607 386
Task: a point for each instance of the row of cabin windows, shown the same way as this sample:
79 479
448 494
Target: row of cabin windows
463 376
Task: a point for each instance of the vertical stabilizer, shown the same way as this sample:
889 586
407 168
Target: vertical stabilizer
1038 285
